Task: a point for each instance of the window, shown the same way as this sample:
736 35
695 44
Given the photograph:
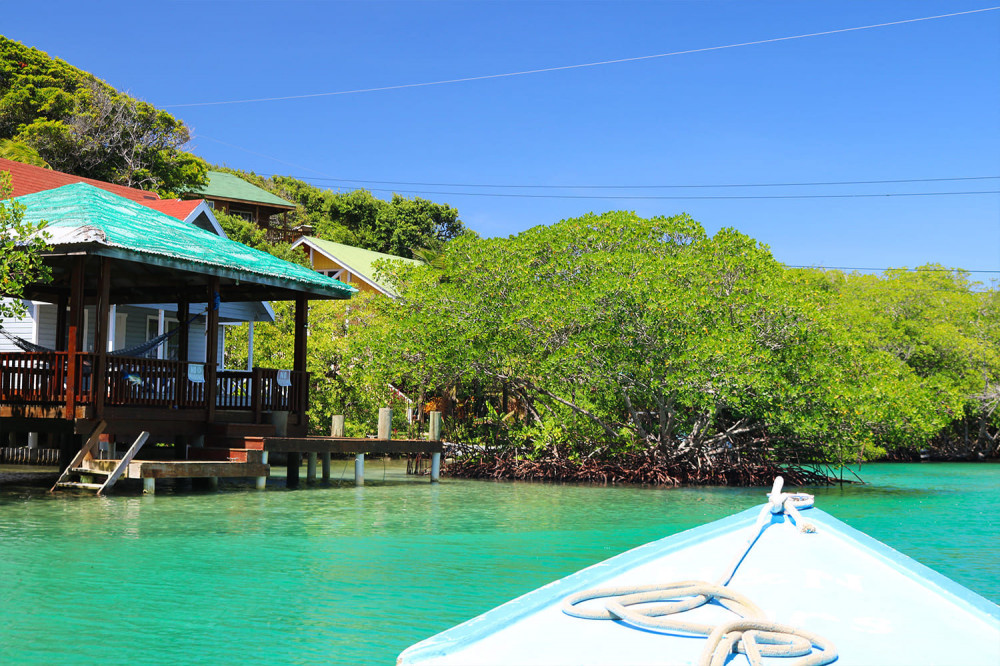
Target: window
334 273
245 214
171 348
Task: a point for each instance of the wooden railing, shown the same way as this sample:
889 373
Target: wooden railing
40 378
32 377
262 390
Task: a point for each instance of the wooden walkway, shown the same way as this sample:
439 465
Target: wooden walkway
345 445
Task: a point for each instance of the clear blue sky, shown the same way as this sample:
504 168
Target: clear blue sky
919 100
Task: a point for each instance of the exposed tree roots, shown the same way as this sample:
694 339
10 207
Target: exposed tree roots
632 468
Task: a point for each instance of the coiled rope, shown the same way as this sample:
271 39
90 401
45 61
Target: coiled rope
751 633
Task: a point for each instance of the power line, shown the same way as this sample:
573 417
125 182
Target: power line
578 66
521 195
645 197
911 270
638 187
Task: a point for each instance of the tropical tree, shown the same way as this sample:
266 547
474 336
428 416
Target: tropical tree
620 333
21 247
76 123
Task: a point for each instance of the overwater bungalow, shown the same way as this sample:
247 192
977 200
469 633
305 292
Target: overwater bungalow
109 251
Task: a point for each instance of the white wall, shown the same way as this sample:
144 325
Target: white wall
22 328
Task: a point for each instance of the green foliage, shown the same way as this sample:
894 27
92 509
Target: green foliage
248 233
20 152
21 245
400 227
79 124
944 328
617 332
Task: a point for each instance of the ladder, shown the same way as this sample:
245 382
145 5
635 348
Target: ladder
82 465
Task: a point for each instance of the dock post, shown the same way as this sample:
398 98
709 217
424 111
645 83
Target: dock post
434 435
385 423
262 480
359 469
148 486
336 430
311 468
292 470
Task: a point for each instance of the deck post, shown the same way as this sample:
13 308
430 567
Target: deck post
326 466
74 337
299 358
434 435
181 381
148 486
61 303
211 349
99 373
292 470
359 469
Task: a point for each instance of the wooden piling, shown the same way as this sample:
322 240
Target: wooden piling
292 471
434 435
311 458
326 466
385 423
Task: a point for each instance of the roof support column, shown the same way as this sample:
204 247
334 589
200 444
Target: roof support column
299 363
181 382
75 335
182 335
212 347
100 373
61 303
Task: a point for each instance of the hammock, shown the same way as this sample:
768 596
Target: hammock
139 350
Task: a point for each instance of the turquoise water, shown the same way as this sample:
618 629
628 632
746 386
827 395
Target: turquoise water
354 575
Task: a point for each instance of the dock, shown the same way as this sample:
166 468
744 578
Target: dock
236 450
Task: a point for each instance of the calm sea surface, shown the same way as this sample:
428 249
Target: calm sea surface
354 575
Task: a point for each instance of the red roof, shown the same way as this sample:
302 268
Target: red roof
178 208
28 179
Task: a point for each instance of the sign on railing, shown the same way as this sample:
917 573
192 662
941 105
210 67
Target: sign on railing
196 373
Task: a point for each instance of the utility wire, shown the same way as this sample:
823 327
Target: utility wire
637 187
578 66
671 197
911 270
521 195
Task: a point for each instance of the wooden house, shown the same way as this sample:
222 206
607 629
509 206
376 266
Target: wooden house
234 196
136 323
349 264
108 251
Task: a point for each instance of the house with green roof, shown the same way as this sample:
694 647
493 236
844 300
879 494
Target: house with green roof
349 264
234 196
106 251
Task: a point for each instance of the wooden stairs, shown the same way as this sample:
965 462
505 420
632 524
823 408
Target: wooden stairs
84 465
235 442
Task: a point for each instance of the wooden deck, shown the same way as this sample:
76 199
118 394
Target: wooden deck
348 445
66 385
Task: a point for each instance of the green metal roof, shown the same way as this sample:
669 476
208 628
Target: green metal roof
224 185
81 214
357 260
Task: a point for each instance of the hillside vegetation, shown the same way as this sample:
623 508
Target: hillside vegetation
54 114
